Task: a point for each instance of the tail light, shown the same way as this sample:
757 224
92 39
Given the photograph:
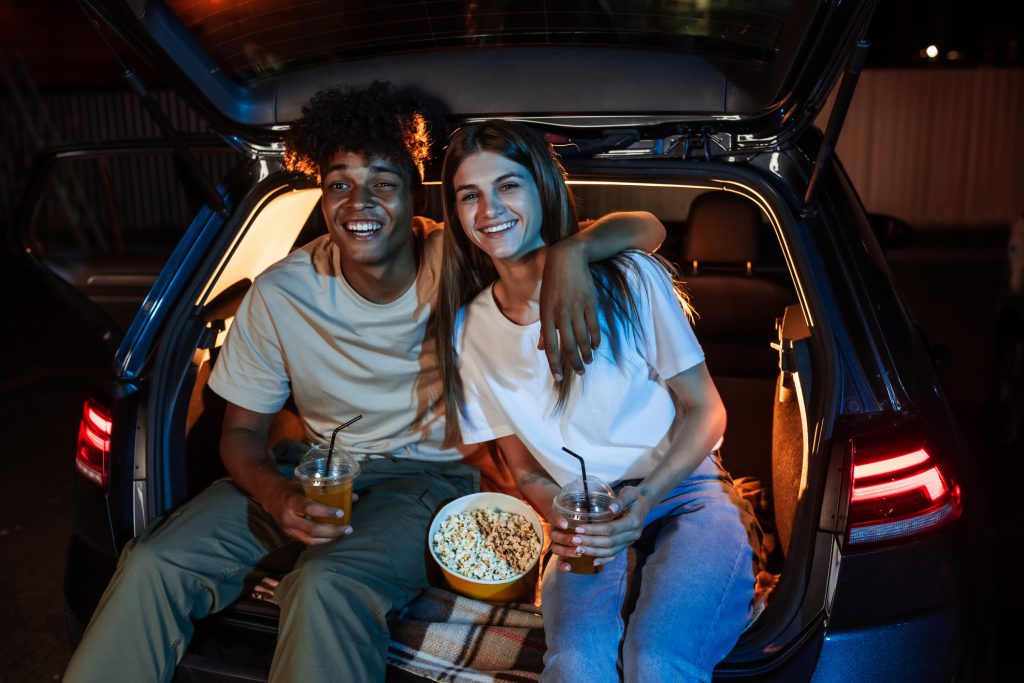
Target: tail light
899 490
92 456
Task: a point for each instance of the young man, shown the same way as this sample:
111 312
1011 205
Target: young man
344 326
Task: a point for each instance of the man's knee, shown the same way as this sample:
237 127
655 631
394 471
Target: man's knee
324 580
148 560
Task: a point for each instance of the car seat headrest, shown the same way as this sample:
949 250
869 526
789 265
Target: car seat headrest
722 228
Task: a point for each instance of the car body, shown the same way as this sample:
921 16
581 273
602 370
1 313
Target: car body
861 476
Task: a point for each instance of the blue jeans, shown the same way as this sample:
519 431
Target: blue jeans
673 605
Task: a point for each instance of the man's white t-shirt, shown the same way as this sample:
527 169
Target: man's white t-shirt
619 412
303 330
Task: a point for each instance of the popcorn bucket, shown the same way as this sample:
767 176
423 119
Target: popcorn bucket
519 588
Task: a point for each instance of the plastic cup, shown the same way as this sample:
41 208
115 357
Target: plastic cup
579 507
328 480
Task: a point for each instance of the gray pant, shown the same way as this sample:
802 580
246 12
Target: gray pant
333 603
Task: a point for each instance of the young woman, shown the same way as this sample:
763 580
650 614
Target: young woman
646 417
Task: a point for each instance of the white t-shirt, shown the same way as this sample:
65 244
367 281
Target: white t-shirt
303 330
619 412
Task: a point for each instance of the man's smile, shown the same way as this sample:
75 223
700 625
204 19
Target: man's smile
362 228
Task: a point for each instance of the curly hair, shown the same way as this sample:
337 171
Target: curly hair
373 121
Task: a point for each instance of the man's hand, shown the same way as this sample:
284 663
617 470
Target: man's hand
568 308
293 512
246 456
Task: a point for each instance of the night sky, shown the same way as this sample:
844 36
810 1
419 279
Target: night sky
63 50
983 33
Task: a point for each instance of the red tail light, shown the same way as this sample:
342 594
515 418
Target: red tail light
92 456
898 490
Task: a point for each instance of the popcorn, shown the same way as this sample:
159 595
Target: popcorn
486 544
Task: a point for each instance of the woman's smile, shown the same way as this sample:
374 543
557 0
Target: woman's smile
500 227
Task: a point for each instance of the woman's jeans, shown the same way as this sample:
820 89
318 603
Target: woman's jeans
673 605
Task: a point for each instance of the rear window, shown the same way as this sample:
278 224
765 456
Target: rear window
258 38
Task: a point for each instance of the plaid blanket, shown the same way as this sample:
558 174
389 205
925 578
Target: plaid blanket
442 636
446 637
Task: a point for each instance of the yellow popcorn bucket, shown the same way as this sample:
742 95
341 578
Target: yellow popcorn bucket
519 588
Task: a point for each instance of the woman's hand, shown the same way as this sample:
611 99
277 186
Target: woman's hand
699 423
564 542
602 541
568 308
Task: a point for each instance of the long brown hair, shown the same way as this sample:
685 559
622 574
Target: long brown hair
466 270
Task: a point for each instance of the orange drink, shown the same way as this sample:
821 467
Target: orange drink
337 495
579 508
327 478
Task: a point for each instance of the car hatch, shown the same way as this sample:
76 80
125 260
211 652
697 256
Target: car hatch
753 75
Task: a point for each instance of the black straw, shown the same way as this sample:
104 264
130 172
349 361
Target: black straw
583 466
330 451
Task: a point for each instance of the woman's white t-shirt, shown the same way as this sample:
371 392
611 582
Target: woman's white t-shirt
619 412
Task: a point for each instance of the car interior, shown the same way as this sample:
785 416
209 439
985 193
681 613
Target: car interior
729 258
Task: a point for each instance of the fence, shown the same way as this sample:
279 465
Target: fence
938 148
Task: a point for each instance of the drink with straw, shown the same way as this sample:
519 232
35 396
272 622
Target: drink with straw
326 474
579 509
584 500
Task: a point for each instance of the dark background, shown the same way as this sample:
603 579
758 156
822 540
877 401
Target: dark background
49 362
63 50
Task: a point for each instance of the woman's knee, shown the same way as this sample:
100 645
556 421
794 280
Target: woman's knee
577 663
684 635
581 644
651 664
661 652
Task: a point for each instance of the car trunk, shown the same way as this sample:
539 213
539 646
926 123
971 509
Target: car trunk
731 237
686 110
